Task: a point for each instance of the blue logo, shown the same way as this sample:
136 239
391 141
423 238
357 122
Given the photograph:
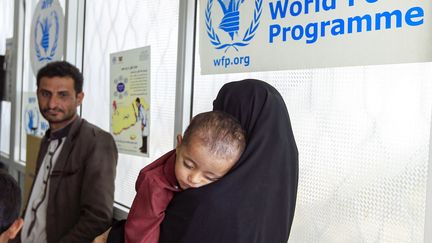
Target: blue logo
31 120
230 24
45 48
46 4
120 87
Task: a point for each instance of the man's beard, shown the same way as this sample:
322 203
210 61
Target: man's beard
50 119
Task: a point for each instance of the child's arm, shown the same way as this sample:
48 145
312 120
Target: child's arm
147 212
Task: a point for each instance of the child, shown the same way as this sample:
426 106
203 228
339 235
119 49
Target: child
10 204
212 144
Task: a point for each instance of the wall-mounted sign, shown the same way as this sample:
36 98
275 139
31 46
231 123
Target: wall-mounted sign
130 100
33 121
46 34
265 35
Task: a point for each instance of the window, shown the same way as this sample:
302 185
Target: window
113 26
6 31
363 139
28 76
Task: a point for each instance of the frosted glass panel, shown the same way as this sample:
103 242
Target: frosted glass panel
113 26
6 31
6 23
5 127
29 79
363 140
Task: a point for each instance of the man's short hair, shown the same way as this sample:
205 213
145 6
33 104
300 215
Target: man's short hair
62 69
220 132
10 200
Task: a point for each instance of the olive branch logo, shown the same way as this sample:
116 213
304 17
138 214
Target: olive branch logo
230 24
45 26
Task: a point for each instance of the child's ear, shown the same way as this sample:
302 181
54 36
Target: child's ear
179 140
14 228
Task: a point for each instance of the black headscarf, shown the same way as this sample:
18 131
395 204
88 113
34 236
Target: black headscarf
255 201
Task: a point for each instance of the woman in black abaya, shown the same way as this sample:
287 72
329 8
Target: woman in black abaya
255 201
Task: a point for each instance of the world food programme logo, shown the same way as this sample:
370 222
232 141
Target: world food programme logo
31 120
46 38
230 24
45 48
34 124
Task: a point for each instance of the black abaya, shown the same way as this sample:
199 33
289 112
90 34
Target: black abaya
255 201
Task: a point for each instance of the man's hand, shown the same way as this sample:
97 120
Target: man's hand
103 237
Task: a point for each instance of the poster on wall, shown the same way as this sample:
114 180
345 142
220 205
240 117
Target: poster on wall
130 100
269 35
46 34
8 67
33 121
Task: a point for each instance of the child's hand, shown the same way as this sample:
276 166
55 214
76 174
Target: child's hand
103 237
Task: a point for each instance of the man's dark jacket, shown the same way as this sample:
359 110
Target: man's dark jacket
81 193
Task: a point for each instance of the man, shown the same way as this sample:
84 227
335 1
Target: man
142 117
10 204
72 196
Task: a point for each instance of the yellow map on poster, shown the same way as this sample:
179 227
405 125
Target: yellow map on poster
123 118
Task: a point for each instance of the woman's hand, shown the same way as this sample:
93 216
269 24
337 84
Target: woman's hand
103 237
